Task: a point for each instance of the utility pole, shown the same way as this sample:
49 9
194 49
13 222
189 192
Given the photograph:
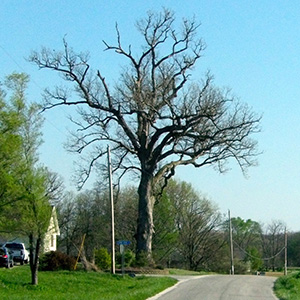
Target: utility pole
285 252
231 245
113 269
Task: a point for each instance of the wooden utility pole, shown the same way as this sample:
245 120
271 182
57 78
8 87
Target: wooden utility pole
231 245
285 252
113 269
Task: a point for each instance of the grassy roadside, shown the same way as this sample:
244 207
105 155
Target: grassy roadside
288 287
185 272
14 284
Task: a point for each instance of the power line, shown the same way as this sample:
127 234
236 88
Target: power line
256 257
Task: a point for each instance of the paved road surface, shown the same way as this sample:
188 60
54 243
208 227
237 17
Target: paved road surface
221 287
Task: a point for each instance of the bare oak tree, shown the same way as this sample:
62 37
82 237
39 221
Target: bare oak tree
154 117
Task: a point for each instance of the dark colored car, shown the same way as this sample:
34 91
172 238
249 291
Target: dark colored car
6 259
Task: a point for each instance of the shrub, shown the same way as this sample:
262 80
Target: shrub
129 258
142 260
240 267
55 260
288 287
102 258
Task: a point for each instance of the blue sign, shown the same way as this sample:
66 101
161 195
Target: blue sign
123 243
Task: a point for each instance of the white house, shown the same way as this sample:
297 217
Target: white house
50 241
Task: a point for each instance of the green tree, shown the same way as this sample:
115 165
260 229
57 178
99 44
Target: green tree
165 238
10 150
246 233
155 117
247 243
294 249
255 259
27 211
102 258
198 221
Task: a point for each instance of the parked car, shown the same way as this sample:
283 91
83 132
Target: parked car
18 251
6 258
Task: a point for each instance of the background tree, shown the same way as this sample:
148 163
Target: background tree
165 238
88 213
85 215
294 249
198 222
155 117
126 205
273 244
66 213
246 235
247 243
254 256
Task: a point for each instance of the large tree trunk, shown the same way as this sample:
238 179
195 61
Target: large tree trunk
145 226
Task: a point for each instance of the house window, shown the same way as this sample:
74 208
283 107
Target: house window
52 241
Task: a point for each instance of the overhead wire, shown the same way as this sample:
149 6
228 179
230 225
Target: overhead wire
256 257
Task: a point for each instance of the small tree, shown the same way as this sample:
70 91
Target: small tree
155 117
102 259
255 259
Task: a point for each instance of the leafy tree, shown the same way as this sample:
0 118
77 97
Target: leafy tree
27 209
198 221
294 249
10 149
255 259
165 238
155 117
246 235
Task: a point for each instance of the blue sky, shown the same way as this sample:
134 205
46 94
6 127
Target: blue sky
253 47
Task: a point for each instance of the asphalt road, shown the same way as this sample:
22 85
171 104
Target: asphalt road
221 287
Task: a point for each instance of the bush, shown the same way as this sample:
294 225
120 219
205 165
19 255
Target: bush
240 267
142 260
55 260
102 258
288 287
129 258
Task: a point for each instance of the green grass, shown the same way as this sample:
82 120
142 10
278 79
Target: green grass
185 272
288 287
15 284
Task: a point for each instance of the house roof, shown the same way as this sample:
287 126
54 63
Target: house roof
54 221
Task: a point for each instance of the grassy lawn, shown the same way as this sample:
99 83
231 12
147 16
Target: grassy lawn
288 287
185 272
14 284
